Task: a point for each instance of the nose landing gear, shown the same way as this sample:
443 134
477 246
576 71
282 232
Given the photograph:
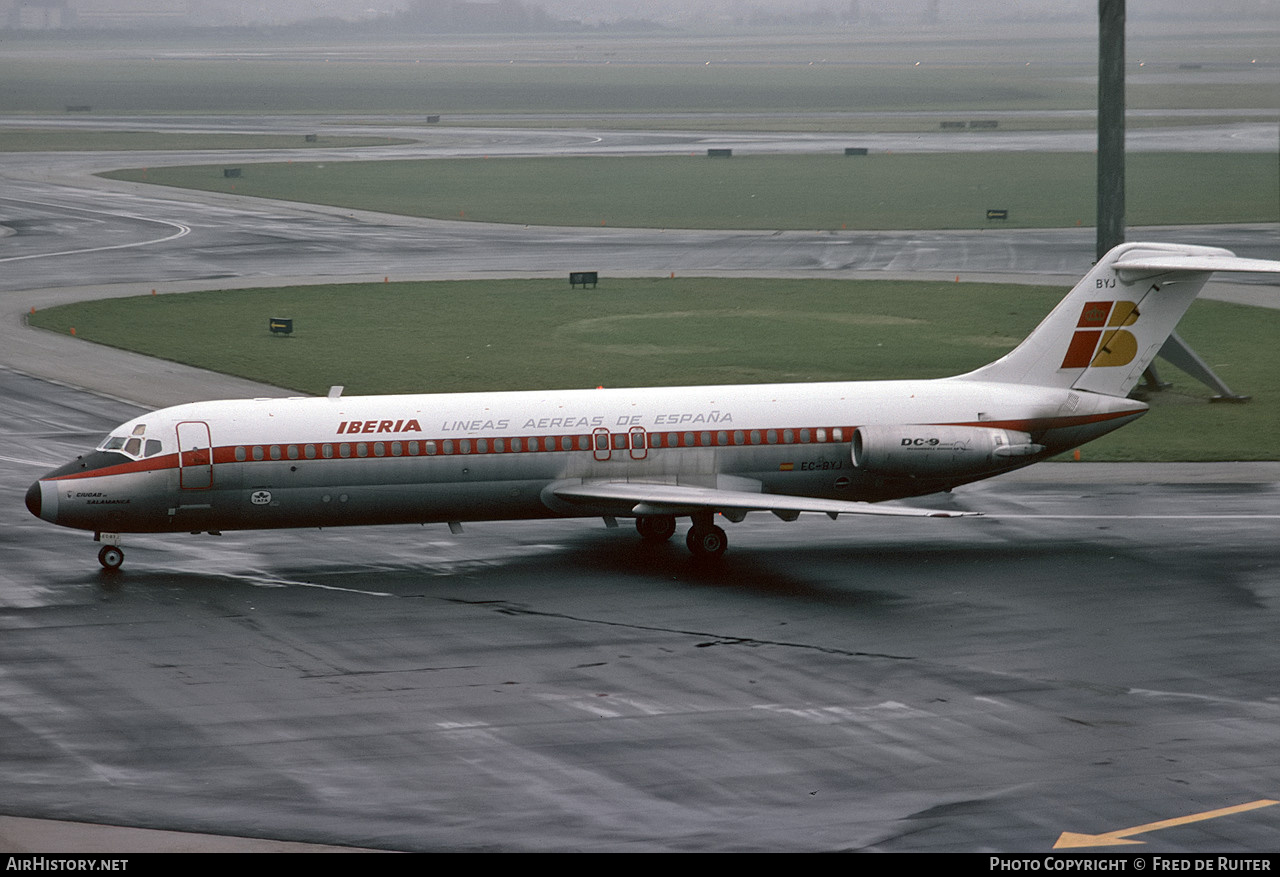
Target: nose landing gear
110 555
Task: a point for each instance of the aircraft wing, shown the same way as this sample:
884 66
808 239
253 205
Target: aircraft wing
649 498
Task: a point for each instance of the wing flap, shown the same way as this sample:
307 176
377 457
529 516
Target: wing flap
643 498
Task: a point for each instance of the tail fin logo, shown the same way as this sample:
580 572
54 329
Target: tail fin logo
1099 339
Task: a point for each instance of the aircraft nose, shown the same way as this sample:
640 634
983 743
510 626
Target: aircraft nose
33 499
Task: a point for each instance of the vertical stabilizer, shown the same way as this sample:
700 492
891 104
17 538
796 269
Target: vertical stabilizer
1109 328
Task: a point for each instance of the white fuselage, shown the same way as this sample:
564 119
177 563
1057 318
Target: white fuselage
303 462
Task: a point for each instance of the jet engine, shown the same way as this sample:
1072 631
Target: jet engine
930 451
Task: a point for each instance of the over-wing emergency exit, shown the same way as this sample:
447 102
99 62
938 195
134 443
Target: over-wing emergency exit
654 455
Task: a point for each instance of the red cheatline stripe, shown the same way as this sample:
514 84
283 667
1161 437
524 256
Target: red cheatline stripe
478 446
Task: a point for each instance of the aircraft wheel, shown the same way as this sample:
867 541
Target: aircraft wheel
707 542
656 528
110 557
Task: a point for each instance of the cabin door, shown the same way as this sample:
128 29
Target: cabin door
195 455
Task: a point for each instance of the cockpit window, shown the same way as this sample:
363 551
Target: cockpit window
133 444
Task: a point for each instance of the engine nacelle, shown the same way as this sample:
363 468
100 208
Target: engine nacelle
934 451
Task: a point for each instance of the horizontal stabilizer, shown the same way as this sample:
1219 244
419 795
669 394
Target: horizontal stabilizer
647 498
1146 262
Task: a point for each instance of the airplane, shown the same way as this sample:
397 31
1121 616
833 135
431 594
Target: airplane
650 454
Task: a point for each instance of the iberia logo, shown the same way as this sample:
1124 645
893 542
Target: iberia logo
1099 339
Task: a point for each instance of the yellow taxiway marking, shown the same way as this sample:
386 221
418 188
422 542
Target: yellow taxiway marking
1070 840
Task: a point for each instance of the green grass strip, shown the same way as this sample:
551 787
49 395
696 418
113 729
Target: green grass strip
834 192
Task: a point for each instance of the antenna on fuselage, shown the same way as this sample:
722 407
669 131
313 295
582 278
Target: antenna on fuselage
336 391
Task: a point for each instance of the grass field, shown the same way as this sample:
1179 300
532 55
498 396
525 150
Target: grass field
767 191
535 334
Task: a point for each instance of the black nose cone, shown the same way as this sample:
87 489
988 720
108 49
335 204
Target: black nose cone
33 499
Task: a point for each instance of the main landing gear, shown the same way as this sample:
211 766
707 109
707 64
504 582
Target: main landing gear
656 528
706 541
